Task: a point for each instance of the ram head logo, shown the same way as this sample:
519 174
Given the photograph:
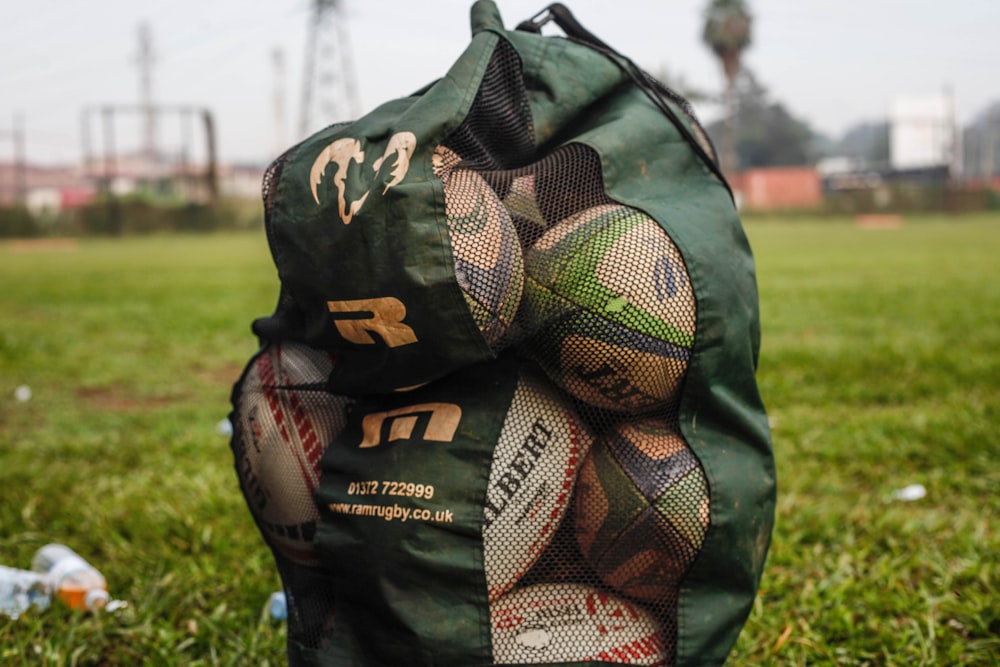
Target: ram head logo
344 151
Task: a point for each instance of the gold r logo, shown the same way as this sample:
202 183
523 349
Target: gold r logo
357 319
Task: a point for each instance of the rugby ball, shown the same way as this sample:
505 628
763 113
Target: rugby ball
522 204
641 509
610 303
284 419
556 623
443 161
535 463
489 266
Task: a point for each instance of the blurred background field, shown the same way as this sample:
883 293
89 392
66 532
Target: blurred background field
879 367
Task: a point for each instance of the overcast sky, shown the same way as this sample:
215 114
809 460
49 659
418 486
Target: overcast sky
832 63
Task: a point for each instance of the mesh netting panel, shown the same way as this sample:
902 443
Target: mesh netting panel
283 420
605 307
269 184
497 132
562 183
310 599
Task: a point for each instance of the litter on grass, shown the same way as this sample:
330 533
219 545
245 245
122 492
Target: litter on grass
224 427
909 493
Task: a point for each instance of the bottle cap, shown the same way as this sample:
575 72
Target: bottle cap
96 598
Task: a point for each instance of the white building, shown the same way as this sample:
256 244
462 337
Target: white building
923 133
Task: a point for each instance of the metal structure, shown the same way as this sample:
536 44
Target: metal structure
280 138
19 187
104 167
145 60
329 87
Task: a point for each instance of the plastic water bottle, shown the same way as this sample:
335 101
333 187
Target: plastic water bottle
20 589
70 578
277 606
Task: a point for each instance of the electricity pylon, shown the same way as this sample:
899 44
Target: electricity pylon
329 88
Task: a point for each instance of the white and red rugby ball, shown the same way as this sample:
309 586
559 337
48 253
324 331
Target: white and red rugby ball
285 419
548 623
535 465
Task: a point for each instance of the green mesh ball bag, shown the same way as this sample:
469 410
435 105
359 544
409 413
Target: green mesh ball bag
505 411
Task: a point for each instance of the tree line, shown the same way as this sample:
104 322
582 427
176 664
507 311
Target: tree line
758 131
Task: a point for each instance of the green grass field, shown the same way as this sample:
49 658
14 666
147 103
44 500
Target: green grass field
880 368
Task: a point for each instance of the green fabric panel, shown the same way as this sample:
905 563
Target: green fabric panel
411 590
395 246
484 16
564 81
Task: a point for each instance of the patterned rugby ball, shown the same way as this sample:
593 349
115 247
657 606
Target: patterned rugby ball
535 463
557 623
488 262
522 203
611 306
443 161
284 419
641 509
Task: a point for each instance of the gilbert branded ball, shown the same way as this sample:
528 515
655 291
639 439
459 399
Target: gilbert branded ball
610 301
556 623
285 419
530 488
488 262
641 509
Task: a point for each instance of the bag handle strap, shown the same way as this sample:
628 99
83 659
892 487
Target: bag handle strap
563 18
653 89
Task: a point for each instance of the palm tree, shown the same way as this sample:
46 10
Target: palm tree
727 32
